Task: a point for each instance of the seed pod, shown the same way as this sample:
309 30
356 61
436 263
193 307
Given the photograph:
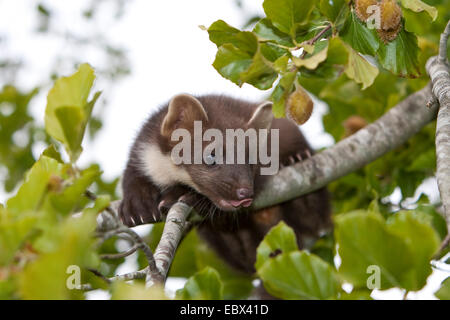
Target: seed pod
361 8
353 123
391 15
55 184
299 106
388 36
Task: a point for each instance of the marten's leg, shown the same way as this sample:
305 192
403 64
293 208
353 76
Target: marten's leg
309 216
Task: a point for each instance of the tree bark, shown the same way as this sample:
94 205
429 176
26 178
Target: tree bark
439 72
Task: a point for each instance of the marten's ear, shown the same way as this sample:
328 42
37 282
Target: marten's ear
262 117
183 110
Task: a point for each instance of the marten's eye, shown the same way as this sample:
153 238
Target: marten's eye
210 159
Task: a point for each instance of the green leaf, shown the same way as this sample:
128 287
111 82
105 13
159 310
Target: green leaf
14 230
444 291
332 9
414 228
360 70
31 194
358 36
70 119
265 30
230 62
259 74
401 55
434 218
100 204
364 241
47 276
280 239
424 161
220 33
136 291
65 201
236 285
68 109
299 275
245 64
204 285
281 92
312 61
287 14
51 152
419 6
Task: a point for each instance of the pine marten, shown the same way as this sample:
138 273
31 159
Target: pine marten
221 192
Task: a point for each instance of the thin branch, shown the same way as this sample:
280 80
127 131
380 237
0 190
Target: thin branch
142 246
109 225
174 229
438 70
111 256
140 274
319 35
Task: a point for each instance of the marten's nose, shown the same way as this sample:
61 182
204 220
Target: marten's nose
244 193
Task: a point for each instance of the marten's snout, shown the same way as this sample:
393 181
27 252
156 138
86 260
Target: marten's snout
244 193
245 197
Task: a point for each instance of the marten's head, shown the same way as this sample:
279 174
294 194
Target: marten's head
206 144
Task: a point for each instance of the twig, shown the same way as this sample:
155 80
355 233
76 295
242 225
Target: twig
319 35
313 40
140 274
109 226
111 256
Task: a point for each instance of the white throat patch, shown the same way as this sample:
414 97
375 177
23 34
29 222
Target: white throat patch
160 168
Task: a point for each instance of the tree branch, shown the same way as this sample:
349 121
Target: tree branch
390 131
173 231
438 70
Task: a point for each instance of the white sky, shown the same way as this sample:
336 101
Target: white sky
169 54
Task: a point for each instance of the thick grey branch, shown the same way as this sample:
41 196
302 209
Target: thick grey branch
443 44
438 70
390 131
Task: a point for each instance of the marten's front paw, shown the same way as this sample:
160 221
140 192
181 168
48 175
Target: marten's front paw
174 194
138 208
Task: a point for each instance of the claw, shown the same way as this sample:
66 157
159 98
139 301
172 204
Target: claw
308 154
132 221
299 157
291 160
